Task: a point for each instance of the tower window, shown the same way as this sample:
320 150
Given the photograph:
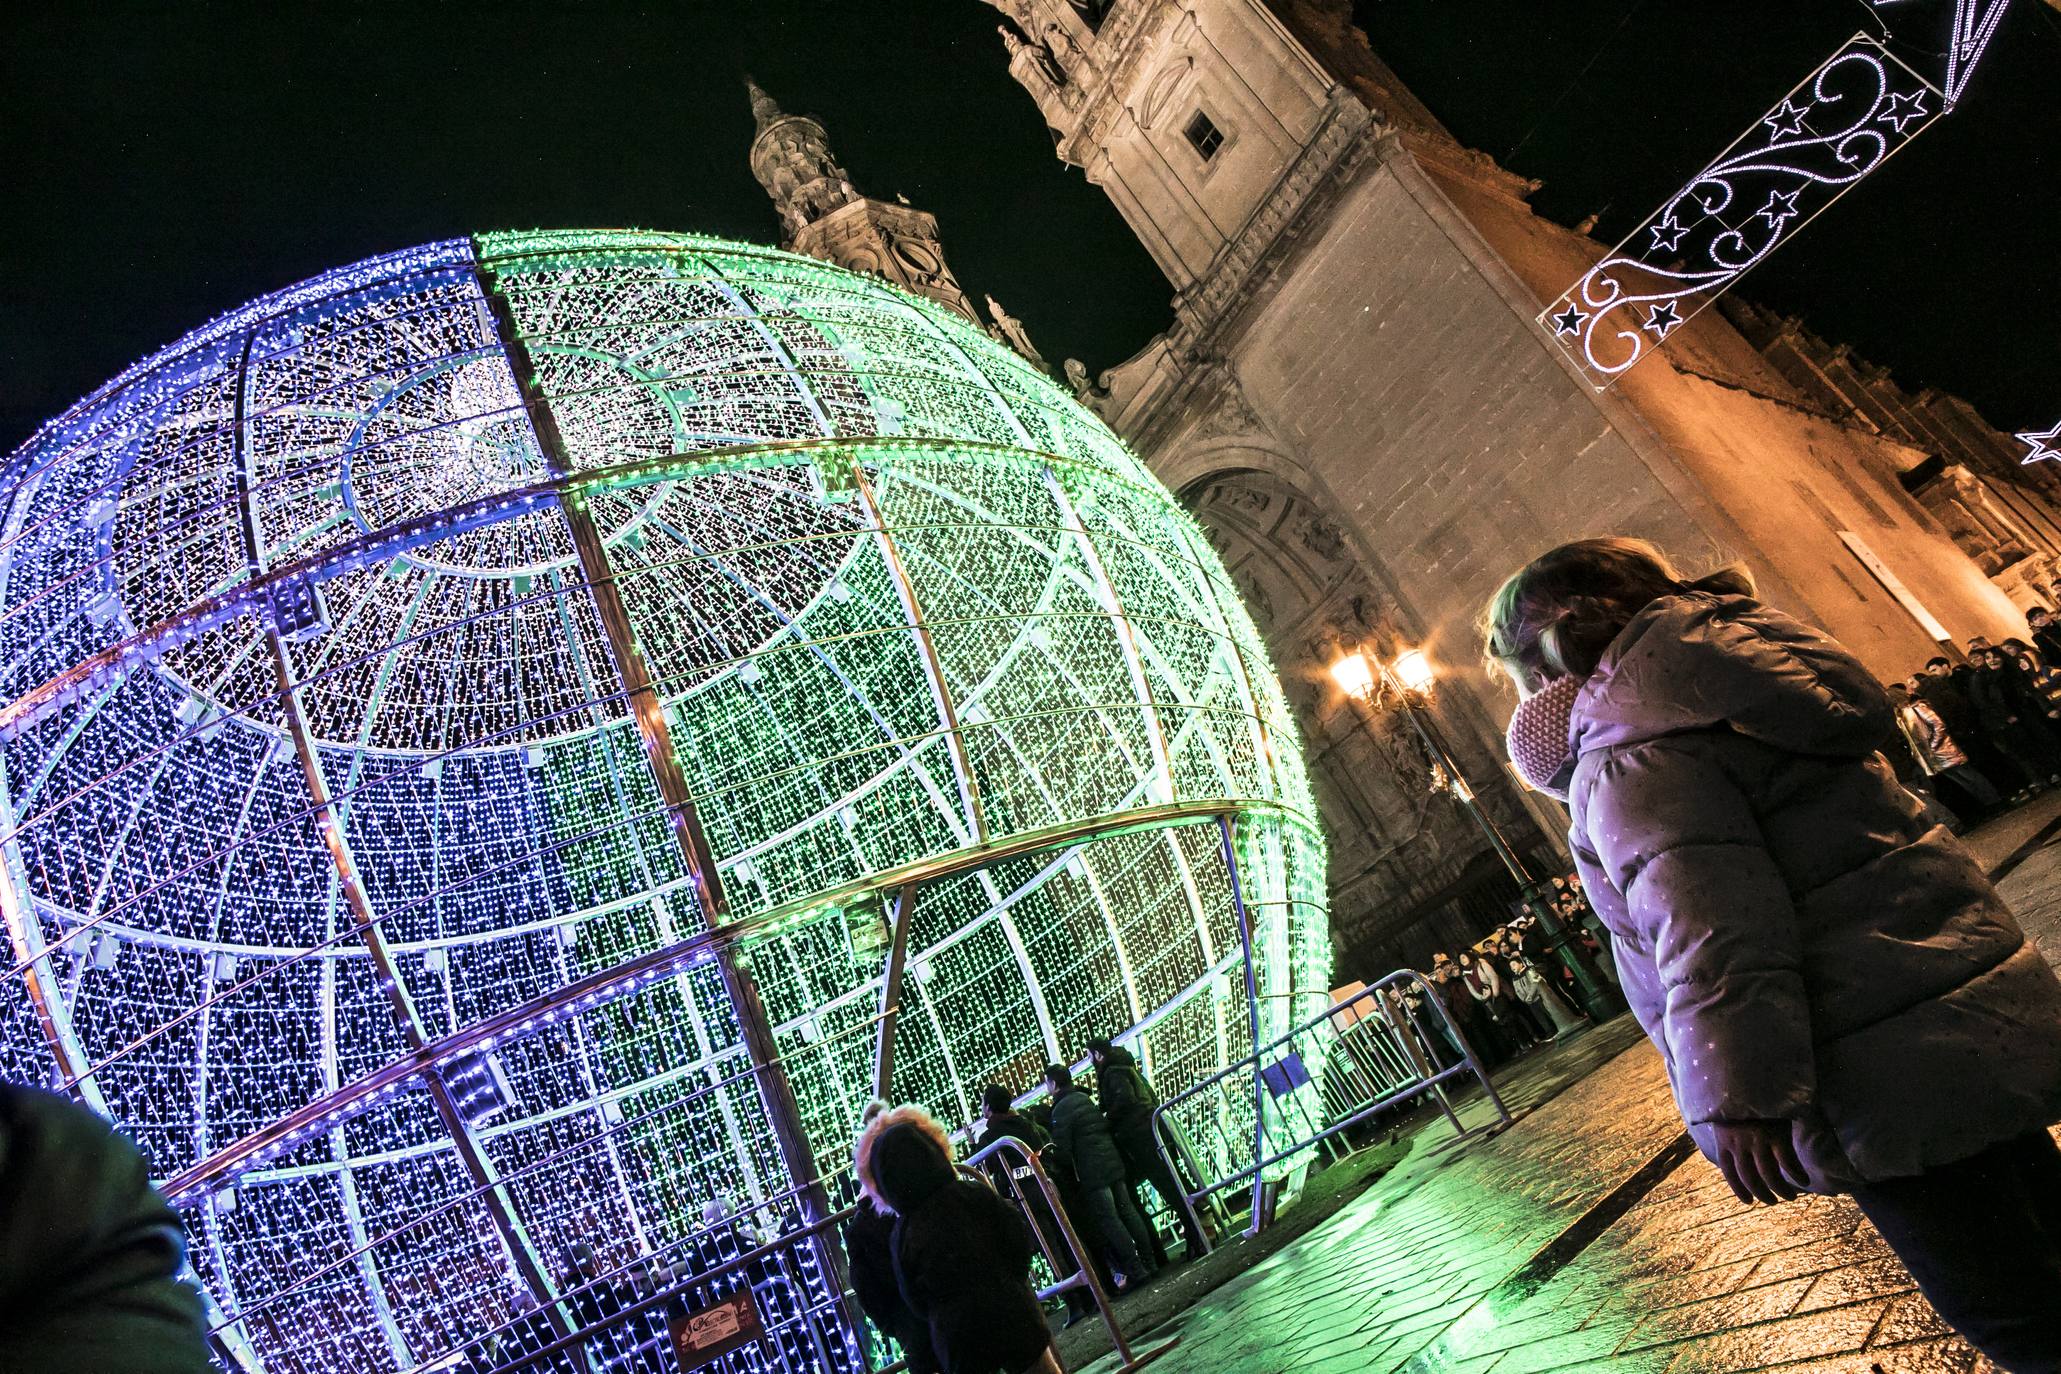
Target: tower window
1204 134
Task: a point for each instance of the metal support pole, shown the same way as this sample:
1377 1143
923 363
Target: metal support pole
891 995
776 1095
25 940
1596 994
1259 1085
329 827
1434 744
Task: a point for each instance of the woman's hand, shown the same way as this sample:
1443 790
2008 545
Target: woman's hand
1758 1158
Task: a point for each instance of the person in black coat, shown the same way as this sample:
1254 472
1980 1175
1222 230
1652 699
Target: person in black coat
1944 688
869 1246
2028 705
999 1120
961 1254
869 1250
1082 1132
1072 1198
2046 634
1128 1101
2000 706
2038 689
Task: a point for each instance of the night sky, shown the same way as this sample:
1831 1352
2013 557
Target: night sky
168 162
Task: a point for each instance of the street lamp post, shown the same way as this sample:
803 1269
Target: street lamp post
1411 680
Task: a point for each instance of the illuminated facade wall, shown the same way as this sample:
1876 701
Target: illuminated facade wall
457 541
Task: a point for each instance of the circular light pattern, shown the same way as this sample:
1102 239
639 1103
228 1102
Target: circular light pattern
340 640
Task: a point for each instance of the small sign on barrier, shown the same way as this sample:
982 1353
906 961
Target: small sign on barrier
1285 1075
709 1333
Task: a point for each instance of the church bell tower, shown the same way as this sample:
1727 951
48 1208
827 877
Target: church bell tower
823 215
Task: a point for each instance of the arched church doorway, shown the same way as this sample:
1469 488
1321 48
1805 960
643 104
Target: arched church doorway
1407 865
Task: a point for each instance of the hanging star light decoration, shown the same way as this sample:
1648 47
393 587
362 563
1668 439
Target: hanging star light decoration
1974 24
2040 444
1843 121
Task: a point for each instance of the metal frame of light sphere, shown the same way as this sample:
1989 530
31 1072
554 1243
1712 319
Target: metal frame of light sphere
468 715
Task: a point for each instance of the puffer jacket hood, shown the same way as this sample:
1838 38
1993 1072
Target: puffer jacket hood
1799 942
1702 662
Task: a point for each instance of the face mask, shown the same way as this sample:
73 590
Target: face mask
1537 737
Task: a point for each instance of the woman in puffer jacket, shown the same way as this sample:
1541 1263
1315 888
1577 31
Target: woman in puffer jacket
961 1254
1842 1001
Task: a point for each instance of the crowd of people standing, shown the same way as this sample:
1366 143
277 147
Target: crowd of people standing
1985 733
1507 992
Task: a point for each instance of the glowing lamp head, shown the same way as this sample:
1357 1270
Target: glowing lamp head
1413 670
1354 676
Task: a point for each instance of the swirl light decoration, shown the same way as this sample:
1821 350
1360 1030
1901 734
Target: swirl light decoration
469 718
1840 124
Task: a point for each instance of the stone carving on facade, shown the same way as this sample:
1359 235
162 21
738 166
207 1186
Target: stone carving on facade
1163 89
1257 600
1084 387
1249 499
1010 331
1061 47
1232 415
1097 85
1322 537
1041 59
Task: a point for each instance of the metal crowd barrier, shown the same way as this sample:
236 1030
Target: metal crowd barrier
1358 1058
1084 1275
632 1336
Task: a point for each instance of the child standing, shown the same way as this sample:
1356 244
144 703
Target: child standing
1842 1001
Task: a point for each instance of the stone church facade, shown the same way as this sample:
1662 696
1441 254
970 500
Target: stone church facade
1357 404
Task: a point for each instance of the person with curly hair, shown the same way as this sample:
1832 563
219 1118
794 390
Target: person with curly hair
961 1255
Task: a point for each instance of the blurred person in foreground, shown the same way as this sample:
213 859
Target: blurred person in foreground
1842 1001
90 1254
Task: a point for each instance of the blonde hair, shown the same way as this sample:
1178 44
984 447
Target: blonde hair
1556 615
877 1126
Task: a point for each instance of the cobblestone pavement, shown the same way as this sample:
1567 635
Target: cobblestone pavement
1462 1260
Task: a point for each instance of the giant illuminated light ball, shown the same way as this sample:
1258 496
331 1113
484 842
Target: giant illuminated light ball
423 681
